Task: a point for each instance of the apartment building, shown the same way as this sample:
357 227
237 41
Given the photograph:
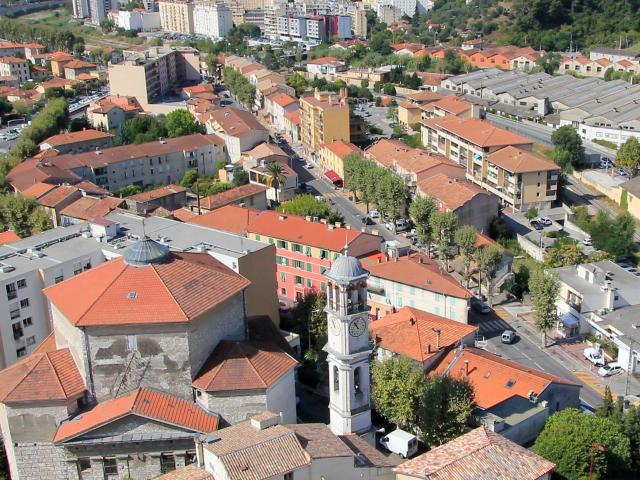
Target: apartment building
75 68
139 20
239 129
15 67
213 20
110 113
359 23
77 142
277 106
332 158
496 159
155 72
158 162
324 118
176 16
305 249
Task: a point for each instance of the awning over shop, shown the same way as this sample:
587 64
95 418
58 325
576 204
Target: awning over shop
333 177
569 320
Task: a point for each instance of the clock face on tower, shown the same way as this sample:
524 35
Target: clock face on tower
357 327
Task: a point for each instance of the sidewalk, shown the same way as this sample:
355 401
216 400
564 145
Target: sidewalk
569 353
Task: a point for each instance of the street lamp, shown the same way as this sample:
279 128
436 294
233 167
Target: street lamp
594 447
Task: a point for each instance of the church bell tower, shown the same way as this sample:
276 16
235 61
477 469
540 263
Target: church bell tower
348 346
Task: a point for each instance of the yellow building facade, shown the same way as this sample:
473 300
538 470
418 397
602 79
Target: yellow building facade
324 118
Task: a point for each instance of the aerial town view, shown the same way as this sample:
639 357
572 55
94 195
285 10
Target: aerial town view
319 239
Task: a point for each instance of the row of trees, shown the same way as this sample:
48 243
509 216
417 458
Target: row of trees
53 38
308 206
568 152
239 86
613 235
375 185
435 408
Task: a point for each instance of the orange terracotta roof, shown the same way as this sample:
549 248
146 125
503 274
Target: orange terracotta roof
516 160
342 148
144 403
476 131
478 455
495 379
452 193
230 218
243 366
410 332
57 195
293 117
91 188
85 76
205 87
41 377
624 62
419 271
156 193
32 171
38 189
61 57
322 61
422 97
48 345
384 151
178 290
453 105
232 195
264 150
190 472
13 60
69 138
235 122
282 99
88 208
75 64
183 215
8 237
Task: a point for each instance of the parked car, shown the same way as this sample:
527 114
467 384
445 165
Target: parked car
536 224
610 369
479 306
635 271
587 242
303 187
412 237
622 172
594 356
373 213
400 225
308 165
400 442
544 221
508 336
366 220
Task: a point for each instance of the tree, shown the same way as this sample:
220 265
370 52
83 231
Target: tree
466 238
190 177
488 258
310 321
297 82
445 409
567 440
143 129
107 25
544 288
568 147
5 106
631 429
563 254
21 108
443 226
240 177
275 177
628 156
389 89
607 406
420 211
614 236
397 390
307 206
531 213
78 124
23 215
391 195
180 122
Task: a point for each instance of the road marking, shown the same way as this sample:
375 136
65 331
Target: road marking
589 380
502 313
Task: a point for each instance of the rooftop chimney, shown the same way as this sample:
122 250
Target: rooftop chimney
437 332
466 368
265 420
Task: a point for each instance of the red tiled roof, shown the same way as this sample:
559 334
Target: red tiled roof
41 377
452 193
419 271
59 194
145 403
236 122
190 472
74 137
61 57
476 131
495 379
322 61
8 237
342 148
410 332
38 189
453 105
516 160
32 171
13 60
87 208
293 117
384 151
243 366
183 215
157 193
232 195
282 99
75 64
265 149
178 290
230 218
91 188
477 455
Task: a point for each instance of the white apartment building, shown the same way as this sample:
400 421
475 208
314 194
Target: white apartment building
213 20
407 7
176 16
139 20
16 67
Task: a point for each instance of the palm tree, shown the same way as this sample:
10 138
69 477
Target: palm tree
275 177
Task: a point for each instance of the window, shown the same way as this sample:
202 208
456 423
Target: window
356 380
84 463
282 244
298 264
307 251
21 352
298 280
86 265
189 458
288 476
58 279
323 286
11 291
22 283
336 379
77 268
167 462
27 322
322 270
309 283
110 467
324 254
297 247
257 237
309 267
24 303
17 331
31 340
270 241
283 277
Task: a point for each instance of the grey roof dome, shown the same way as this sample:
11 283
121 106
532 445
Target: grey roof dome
346 269
145 252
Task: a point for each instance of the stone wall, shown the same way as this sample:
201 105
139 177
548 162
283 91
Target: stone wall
234 407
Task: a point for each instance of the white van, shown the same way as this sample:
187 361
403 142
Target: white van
400 442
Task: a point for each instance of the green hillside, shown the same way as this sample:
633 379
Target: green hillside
550 24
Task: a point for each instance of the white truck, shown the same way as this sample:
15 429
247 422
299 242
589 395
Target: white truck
594 355
400 442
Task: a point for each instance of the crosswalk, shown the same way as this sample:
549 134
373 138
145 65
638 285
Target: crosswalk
503 314
589 380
